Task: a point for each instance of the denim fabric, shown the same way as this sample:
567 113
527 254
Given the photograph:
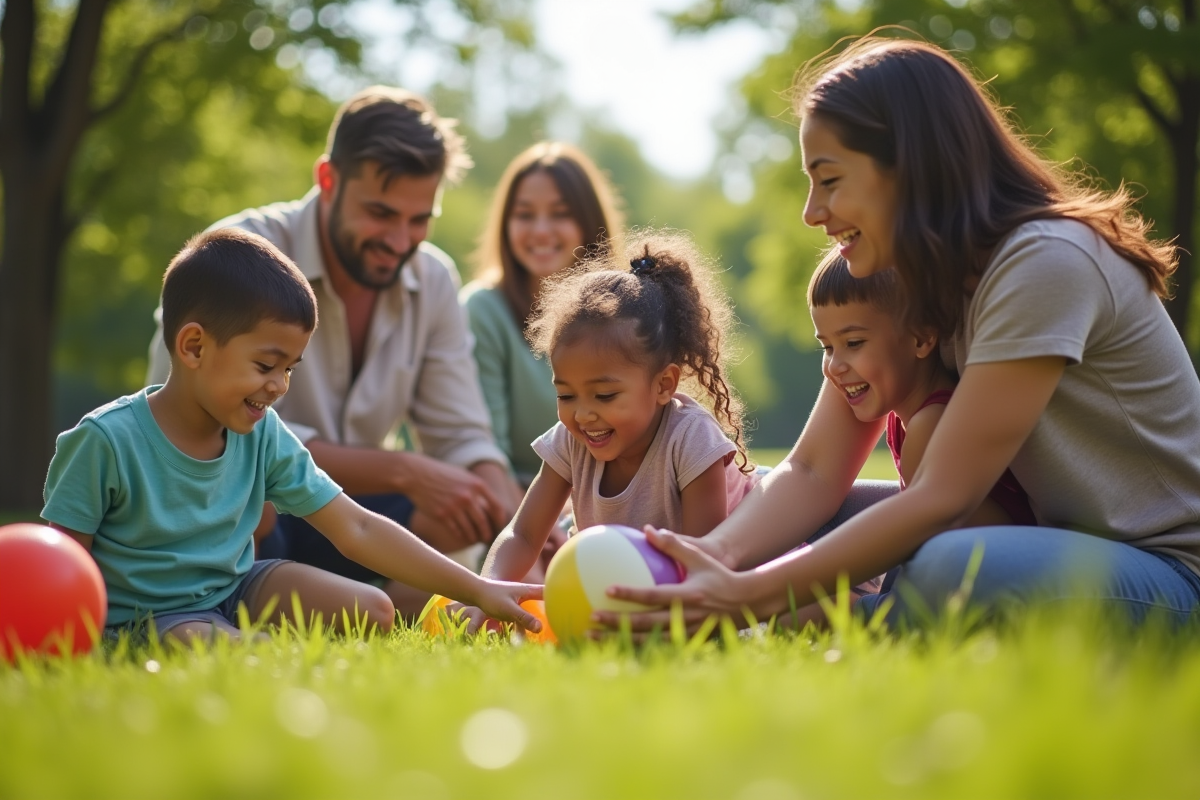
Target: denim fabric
1026 564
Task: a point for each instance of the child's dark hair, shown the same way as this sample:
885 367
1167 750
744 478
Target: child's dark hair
229 280
833 285
666 289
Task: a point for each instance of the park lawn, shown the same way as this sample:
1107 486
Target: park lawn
1050 706
879 466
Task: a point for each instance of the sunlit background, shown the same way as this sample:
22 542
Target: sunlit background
682 102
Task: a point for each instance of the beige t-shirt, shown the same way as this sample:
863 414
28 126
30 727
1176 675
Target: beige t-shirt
418 366
688 441
1117 450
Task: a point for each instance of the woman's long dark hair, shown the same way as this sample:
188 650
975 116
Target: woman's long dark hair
964 177
588 196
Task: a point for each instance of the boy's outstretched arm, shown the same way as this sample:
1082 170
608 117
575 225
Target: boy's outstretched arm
381 545
518 546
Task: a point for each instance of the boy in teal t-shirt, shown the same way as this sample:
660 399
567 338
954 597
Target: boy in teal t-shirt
165 487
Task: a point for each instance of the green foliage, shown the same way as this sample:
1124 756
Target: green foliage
1056 706
1084 79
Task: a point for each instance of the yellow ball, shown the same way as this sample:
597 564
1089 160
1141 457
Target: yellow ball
590 562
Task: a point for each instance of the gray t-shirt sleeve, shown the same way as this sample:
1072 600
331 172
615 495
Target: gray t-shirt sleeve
1045 296
697 444
295 484
554 447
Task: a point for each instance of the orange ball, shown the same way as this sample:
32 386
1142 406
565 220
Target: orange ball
51 593
546 634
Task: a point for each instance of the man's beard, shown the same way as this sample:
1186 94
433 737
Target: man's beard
343 244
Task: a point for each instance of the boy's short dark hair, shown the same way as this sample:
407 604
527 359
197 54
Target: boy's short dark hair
398 130
833 285
229 280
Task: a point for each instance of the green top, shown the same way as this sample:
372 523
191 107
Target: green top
517 386
173 533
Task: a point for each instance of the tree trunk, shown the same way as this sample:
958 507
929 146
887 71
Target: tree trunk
38 140
28 268
1184 140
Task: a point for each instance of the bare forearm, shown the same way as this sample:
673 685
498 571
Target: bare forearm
787 507
384 547
364 470
510 558
867 545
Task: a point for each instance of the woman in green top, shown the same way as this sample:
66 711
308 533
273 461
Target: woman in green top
552 207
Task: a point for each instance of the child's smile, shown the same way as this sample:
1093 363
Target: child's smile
609 404
869 358
246 375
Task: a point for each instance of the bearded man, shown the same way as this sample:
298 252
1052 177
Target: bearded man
392 347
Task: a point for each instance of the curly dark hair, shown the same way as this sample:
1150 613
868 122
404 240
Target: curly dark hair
679 313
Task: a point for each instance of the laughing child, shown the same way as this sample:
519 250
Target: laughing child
884 368
165 487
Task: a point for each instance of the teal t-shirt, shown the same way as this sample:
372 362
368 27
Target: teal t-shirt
173 533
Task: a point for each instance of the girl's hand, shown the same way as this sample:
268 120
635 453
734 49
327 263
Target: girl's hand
709 589
501 600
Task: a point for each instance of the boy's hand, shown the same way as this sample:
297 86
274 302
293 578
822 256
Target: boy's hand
501 600
474 614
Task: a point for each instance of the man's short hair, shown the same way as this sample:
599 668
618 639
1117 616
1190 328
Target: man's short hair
229 280
399 131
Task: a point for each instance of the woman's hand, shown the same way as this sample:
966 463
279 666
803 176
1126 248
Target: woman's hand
709 589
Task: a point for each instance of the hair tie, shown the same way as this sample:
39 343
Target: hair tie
642 266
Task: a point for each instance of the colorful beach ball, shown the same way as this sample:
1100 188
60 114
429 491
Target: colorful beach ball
590 562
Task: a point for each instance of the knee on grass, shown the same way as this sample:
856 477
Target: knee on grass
375 605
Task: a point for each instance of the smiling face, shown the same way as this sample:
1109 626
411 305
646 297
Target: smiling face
877 366
609 404
541 230
851 197
235 382
372 228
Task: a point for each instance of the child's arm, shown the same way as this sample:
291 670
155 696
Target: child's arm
518 546
917 434
705 501
381 545
84 539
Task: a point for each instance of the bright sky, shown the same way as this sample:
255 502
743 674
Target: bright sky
619 58
666 91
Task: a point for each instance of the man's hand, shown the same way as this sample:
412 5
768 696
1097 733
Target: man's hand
453 505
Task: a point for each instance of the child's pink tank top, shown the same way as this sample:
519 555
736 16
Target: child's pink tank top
1007 493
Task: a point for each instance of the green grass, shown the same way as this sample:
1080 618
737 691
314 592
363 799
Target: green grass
879 464
1056 706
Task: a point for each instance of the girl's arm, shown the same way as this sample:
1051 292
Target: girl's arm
518 546
917 434
992 412
705 501
802 493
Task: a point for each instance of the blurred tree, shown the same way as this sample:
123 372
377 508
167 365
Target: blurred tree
1114 83
125 127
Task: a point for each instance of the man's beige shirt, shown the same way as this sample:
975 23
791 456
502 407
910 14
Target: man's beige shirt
418 365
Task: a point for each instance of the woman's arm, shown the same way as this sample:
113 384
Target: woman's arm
802 493
518 546
993 411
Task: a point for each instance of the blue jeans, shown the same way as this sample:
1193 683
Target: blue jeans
1028 564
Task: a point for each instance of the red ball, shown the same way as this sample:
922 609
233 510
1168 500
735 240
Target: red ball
49 586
